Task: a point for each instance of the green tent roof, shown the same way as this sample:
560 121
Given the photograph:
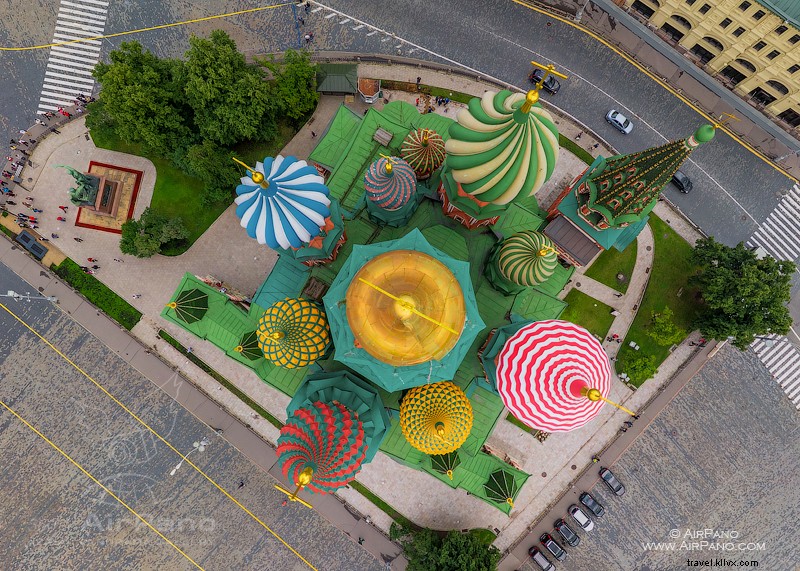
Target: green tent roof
536 306
337 78
336 138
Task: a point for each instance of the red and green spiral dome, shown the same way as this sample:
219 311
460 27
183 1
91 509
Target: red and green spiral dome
329 438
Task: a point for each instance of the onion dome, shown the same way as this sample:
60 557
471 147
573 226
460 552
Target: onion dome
436 418
504 146
328 439
527 258
423 149
293 333
390 183
283 203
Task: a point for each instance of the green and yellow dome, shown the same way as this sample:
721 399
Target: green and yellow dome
504 147
436 418
293 333
527 258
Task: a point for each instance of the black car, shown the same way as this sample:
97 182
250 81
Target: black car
567 533
540 559
611 481
682 181
592 504
551 84
554 548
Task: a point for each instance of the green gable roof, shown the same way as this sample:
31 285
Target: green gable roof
337 78
337 137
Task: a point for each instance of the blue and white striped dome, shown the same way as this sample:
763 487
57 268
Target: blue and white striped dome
291 210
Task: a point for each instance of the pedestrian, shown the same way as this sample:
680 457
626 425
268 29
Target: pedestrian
91 259
54 236
313 135
635 417
307 38
301 20
241 484
628 423
595 145
54 130
64 208
595 459
137 296
85 268
61 219
308 7
623 429
13 142
617 295
95 267
419 80
361 541
417 101
39 210
578 136
189 350
284 502
117 260
78 239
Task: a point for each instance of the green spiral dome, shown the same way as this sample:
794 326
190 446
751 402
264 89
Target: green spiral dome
527 258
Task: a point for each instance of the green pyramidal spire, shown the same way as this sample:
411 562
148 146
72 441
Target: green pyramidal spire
622 190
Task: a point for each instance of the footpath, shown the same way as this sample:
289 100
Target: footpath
155 279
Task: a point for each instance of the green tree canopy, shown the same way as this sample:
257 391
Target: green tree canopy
641 367
427 550
145 237
144 98
213 165
295 83
232 101
743 296
662 328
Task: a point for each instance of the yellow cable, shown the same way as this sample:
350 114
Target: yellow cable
159 27
157 435
405 305
96 481
666 86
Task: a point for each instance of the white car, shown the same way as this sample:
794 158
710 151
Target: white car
619 122
581 518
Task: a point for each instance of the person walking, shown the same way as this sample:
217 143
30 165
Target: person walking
596 145
617 295
92 260
64 208
78 239
118 260
61 219
313 135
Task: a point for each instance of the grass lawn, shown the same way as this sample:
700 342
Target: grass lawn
611 262
486 536
671 270
588 313
99 294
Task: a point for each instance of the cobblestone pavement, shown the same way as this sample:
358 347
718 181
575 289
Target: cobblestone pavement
55 516
724 455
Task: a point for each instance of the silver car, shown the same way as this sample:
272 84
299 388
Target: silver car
580 517
619 122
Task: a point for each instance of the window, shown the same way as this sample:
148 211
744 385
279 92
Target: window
744 6
683 22
778 86
794 39
760 45
673 33
713 42
725 23
758 15
780 29
790 116
643 8
701 52
794 69
738 31
761 96
746 64
691 2
773 54
733 75
704 8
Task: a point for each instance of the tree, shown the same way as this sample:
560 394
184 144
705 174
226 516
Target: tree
213 165
427 550
145 237
295 84
641 367
232 102
143 98
663 329
743 296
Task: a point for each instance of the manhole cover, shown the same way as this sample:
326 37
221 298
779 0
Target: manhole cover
649 248
744 217
574 467
578 284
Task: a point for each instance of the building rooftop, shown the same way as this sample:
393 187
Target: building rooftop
789 10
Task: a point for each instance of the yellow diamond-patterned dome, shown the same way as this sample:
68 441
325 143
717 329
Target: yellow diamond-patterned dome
293 333
436 418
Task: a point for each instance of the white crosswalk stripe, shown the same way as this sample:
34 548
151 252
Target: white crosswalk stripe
69 66
782 360
779 234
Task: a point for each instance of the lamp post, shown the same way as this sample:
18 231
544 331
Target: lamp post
786 156
27 296
579 13
199 446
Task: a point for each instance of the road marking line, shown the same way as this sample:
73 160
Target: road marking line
343 22
96 481
156 434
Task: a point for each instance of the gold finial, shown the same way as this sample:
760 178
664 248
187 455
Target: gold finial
440 432
425 136
724 119
547 250
595 395
257 177
303 479
531 98
450 474
389 162
172 305
238 348
510 501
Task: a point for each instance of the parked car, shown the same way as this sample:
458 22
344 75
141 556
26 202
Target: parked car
683 182
551 84
567 533
580 517
554 548
592 504
619 122
611 481
540 559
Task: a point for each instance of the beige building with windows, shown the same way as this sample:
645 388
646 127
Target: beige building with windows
752 47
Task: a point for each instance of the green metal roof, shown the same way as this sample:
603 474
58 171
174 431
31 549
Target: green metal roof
537 306
337 78
555 283
789 10
517 218
337 137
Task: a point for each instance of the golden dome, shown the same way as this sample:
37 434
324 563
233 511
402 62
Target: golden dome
405 307
293 333
436 418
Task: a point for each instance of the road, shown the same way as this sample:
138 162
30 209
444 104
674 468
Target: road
59 508
725 456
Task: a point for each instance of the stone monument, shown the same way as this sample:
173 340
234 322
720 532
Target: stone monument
93 192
